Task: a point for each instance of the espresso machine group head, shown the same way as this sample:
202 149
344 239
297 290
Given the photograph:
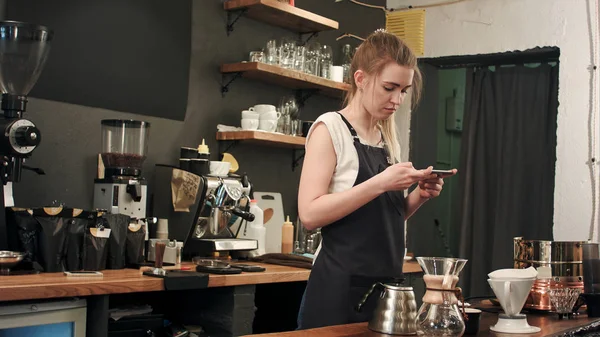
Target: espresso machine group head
24 48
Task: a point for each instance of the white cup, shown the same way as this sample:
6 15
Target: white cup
268 125
250 124
247 114
262 108
337 73
270 115
162 229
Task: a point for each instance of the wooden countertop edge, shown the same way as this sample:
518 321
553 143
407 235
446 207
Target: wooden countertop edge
56 285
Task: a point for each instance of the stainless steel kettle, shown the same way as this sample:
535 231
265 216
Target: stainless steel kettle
396 310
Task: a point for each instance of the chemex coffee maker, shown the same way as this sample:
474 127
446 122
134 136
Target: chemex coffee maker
121 189
204 222
24 49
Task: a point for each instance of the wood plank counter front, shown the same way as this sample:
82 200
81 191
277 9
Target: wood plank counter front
549 323
55 285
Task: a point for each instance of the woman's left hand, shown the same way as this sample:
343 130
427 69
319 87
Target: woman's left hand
432 187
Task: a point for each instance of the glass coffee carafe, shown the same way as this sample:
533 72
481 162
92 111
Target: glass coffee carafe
439 314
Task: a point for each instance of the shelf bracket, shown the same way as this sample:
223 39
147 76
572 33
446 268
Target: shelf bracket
301 38
296 160
230 145
303 95
225 87
231 20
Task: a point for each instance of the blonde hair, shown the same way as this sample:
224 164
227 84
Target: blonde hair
379 49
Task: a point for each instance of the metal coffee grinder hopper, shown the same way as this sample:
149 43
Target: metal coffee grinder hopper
24 49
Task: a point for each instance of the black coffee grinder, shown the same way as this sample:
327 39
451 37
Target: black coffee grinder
24 48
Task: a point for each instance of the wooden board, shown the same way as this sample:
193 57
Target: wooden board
286 77
264 138
550 325
272 274
411 267
54 285
282 15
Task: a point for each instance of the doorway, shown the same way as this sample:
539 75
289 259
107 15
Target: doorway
476 115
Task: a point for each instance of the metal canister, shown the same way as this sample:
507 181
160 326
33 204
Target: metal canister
564 258
178 254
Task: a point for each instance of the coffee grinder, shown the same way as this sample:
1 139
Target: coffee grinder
122 189
24 49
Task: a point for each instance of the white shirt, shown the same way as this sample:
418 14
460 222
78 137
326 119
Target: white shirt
346 167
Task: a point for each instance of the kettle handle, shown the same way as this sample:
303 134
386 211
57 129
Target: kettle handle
366 296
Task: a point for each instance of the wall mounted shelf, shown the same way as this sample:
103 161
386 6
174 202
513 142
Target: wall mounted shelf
264 139
279 14
284 77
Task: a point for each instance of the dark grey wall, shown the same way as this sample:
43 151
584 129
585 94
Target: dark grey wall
111 53
71 133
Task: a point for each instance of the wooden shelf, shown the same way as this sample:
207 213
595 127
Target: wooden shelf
286 77
264 138
282 15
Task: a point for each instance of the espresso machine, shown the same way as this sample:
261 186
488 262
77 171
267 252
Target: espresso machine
24 49
120 187
224 198
206 227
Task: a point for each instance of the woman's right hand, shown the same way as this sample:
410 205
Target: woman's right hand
401 176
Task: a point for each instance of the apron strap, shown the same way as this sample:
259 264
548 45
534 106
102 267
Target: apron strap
352 131
354 134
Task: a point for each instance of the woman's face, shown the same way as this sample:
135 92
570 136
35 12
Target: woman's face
383 93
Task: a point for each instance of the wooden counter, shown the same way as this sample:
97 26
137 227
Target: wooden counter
54 285
549 323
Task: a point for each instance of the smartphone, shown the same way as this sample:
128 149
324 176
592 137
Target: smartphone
84 274
442 173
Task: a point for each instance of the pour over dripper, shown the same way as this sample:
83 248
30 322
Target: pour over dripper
439 314
512 292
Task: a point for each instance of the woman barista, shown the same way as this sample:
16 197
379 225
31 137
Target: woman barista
352 185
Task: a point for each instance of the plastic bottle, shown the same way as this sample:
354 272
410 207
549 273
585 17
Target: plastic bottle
256 229
203 151
287 237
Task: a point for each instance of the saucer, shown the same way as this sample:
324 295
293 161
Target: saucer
513 324
528 329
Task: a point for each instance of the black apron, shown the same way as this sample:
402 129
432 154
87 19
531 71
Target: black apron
365 247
